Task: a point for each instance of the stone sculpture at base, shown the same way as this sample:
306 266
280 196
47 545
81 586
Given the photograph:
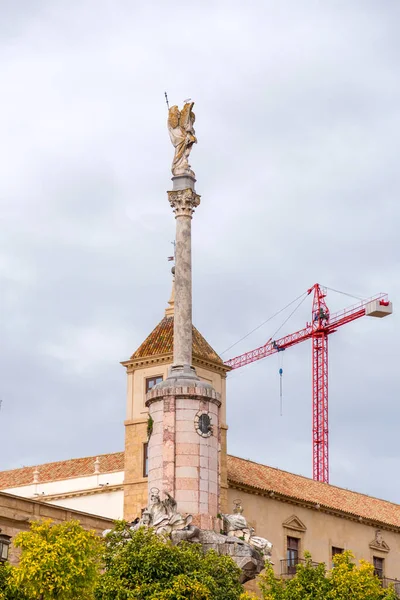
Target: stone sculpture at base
235 525
238 540
163 516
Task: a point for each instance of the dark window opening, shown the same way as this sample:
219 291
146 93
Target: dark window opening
378 566
5 541
152 381
292 554
145 459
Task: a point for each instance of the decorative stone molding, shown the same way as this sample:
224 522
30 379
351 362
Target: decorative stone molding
142 363
294 523
186 391
378 543
183 202
79 493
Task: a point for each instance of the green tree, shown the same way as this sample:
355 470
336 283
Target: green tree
142 566
344 581
347 580
8 590
309 583
58 561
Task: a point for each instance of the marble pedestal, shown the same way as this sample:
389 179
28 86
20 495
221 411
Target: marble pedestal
183 460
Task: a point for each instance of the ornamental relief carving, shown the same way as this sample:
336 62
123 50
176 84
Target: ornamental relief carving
378 543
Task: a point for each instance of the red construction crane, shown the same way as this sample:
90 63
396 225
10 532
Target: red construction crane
322 324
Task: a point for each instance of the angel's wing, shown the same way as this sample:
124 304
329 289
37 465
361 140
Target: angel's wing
173 117
187 116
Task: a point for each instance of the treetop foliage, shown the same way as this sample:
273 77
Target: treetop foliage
65 562
345 581
142 566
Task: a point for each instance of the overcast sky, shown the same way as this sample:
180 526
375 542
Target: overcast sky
298 124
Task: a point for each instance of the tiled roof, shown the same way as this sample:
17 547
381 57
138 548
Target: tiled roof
240 472
161 341
262 477
65 469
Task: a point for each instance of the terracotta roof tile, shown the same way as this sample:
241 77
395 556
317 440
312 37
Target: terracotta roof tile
266 478
161 341
65 469
240 472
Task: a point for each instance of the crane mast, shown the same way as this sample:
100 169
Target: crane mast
321 326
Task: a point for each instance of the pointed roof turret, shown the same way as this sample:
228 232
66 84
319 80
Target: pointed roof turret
160 343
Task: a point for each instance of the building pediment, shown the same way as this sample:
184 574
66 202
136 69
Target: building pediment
294 523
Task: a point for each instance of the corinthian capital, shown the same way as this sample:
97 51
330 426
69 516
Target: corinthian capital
183 202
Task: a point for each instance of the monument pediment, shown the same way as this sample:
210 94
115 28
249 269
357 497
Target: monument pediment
294 523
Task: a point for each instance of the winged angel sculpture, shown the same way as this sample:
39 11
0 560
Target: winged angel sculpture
182 134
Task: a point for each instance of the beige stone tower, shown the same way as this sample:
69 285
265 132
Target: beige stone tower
148 366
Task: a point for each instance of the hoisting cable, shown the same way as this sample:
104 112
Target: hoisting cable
303 295
344 293
280 355
291 314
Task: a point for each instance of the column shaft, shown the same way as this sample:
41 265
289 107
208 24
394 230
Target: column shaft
183 292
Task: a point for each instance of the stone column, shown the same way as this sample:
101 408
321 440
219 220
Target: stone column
183 202
185 445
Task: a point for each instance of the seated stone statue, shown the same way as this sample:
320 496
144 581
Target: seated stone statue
164 515
235 524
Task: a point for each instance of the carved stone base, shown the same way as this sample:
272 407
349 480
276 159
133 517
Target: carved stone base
248 559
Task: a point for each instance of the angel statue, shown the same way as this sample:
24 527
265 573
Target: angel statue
182 134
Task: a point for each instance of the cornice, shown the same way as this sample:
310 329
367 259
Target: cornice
312 505
162 359
77 493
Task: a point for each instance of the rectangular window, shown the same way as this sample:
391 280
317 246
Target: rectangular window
292 554
152 381
378 566
145 459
